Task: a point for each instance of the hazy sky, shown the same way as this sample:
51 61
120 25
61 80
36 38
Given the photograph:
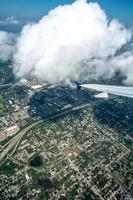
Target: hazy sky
35 9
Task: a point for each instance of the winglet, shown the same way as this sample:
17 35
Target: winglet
78 85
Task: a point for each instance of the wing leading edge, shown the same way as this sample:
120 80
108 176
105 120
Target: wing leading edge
109 89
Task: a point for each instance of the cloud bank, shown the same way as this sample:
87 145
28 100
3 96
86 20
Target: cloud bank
10 21
7 45
74 41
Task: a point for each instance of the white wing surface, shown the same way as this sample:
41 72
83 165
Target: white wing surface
110 89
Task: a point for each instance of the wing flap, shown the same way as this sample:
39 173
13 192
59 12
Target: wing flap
103 95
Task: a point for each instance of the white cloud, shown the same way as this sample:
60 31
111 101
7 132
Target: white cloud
124 63
7 45
10 21
72 42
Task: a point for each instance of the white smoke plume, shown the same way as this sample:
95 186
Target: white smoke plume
7 42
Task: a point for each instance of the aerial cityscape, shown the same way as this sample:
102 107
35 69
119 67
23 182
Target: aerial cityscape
66 101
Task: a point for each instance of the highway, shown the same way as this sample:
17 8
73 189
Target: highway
5 85
15 140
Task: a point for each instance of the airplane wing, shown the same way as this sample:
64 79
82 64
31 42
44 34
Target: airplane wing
110 89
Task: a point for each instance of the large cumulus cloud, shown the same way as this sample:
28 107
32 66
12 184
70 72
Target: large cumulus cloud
70 41
74 41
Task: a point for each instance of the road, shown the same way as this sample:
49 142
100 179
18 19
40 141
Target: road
81 175
5 85
14 141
